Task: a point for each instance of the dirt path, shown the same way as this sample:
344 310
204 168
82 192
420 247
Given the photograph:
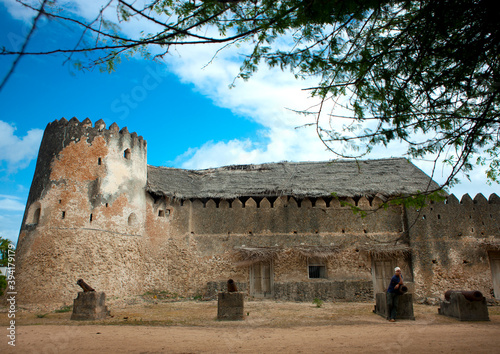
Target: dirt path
270 327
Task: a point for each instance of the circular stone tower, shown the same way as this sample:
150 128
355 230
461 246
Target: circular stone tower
85 212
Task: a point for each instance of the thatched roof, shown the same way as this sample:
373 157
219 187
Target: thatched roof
382 251
346 178
251 255
491 244
317 251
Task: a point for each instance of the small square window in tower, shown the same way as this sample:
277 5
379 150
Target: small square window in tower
316 268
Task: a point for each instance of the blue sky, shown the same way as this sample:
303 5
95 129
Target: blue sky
181 106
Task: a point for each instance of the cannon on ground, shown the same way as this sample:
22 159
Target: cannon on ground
86 287
231 286
471 295
403 289
465 305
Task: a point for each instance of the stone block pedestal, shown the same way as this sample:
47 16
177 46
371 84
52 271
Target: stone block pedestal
464 310
90 305
230 306
405 306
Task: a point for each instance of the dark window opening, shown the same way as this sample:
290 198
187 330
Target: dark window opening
161 213
132 220
90 219
316 268
317 272
99 161
126 154
63 215
36 216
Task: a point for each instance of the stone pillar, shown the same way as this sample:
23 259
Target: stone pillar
405 306
230 306
90 305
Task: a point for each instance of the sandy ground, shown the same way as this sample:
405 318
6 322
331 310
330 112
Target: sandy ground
269 327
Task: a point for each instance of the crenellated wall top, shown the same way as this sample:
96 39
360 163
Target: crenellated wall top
466 199
99 128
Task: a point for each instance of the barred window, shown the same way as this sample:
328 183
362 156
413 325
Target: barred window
316 268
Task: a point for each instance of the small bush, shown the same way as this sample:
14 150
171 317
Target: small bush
318 302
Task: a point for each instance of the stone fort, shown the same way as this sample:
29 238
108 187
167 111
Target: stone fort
96 210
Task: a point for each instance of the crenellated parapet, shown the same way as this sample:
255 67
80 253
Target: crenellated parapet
264 202
76 130
478 217
281 215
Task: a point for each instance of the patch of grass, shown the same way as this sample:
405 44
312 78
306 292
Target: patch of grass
41 315
318 302
65 308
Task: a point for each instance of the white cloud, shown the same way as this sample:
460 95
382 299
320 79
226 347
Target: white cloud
19 11
263 99
9 226
18 152
11 203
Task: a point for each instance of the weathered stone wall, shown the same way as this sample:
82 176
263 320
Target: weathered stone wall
88 216
284 216
202 236
85 216
50 261
446 249
324 290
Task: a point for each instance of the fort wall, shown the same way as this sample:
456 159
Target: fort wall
448 251
89 216
285 215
